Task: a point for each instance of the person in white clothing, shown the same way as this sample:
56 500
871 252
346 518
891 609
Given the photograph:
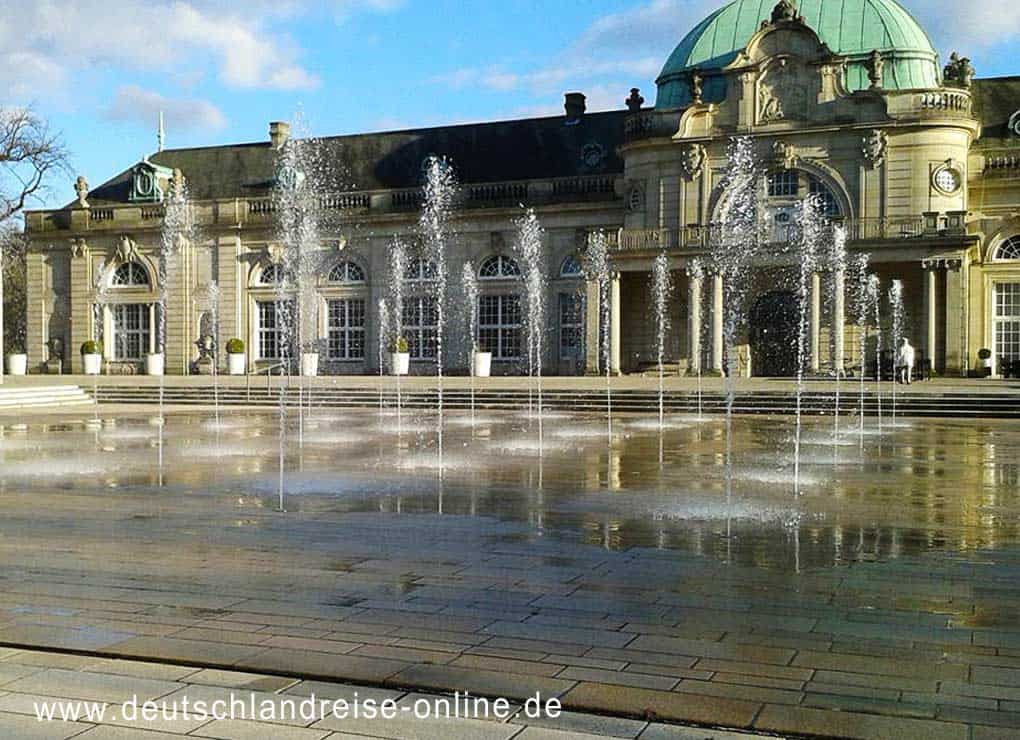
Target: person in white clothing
904 362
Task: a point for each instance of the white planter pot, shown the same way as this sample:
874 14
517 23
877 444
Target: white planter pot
400 363
93 364
17 364
481 364
155 364
237 363
310 364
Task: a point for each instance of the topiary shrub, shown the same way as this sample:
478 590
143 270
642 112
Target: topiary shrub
235 347
91 347
399 345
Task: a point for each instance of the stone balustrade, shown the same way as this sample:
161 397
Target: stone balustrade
262 210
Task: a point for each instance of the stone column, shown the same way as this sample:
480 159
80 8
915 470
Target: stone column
816 321
838 321
694 312
930 313
592 330
614 324
717 323
80 314
956 361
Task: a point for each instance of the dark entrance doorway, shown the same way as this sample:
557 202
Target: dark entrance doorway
773 328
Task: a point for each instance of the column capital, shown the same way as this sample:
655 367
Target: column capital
79 247
951 263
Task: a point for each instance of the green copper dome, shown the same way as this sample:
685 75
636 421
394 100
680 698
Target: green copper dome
851 28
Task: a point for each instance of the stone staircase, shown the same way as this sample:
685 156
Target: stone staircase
19 397
948 404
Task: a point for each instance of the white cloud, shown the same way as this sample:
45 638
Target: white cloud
132 103
628 48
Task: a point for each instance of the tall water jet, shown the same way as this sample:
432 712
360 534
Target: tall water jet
810 226
896 309
214 300
735 247
439 192
695 277
861 308
662 288
838 261
398 276
298 201
875 295
177 232
597 267
529 247
384 332
469 284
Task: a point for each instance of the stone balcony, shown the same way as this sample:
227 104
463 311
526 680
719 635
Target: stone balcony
698 238
256 211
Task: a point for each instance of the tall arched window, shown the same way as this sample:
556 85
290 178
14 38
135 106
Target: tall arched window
420 269
570 268
1008 250
272 274
346 272
499 267
130 275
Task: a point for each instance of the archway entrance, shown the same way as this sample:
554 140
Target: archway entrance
773 334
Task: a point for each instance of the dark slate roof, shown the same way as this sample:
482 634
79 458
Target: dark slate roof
534 148
995 100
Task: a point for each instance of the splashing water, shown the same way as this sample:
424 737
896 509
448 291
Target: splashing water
469 284
597 267
398 274
861 307
439 192
837 258
384 332
896 308
874 294
736 246
662 288
696 274
529 247
810 227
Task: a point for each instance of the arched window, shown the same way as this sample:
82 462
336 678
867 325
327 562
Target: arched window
1008 250
420 269
826 200
272 274
570 268
499 267
130 275
346 272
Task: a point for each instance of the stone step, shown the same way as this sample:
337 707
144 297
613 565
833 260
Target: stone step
32 396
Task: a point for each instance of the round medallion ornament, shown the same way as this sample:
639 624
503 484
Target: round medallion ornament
947 180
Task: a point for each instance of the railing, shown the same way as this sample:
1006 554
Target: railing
952 102
945 100
650 124
268 370
263 209
696 237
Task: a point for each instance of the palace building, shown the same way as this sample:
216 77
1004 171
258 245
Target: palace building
847 101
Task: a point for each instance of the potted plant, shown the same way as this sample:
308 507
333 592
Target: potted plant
400 358
91 357
481 363
17 360
985 355
236 359
155 364
310 360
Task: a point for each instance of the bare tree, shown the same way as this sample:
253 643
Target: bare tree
29 153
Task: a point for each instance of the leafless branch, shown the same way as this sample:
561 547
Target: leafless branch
29 154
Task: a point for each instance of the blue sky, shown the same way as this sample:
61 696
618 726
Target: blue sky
100 71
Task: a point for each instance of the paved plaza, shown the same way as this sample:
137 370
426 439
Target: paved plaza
616 574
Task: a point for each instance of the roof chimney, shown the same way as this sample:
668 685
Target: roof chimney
574 105
279 132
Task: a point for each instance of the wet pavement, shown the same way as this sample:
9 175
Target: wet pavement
629 573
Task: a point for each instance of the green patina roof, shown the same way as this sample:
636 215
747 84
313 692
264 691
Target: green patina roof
851 28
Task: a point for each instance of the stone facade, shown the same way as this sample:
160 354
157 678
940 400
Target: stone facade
925 180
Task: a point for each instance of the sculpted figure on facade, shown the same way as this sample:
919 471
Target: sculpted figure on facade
81 189
875 66
697 87
874 146
692 159
784 155
959 72
126 250
79 248
785 11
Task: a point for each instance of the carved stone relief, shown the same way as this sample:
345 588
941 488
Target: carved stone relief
692 160
874 147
